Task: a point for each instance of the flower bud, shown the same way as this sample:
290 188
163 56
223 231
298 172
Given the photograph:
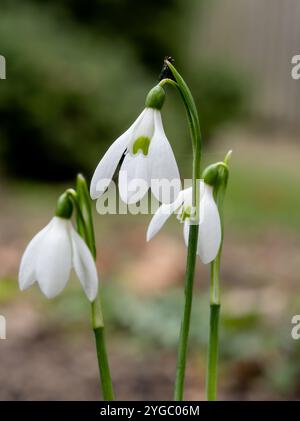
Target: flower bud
211 174
215 174
155 98
64 207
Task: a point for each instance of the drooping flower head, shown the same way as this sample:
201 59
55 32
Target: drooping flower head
149 160
215 178
209 236
51 254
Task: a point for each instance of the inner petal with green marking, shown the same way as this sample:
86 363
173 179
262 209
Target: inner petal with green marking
141 143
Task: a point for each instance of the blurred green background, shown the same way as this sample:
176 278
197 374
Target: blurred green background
77 76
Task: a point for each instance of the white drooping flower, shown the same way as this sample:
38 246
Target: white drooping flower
209 237
50 256
149 160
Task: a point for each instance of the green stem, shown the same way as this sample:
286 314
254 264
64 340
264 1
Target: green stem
86 230
213 345
212 375
104 370
194 126
185 324
215 295
106 383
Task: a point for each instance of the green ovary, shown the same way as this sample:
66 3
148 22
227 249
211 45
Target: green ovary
185 213
141 143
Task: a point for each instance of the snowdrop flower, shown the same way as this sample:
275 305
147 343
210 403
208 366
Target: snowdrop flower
149 160
209 237
52 253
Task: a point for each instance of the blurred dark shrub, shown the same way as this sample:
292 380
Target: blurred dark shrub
220 95
65 95
152 27
77 78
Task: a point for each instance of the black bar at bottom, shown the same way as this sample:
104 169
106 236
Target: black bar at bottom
133 410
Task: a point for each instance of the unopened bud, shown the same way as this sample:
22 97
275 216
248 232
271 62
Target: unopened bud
64 207
155 98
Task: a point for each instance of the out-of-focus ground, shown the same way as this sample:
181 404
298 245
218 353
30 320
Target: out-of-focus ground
49 352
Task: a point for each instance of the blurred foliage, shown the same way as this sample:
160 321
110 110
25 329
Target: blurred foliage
77 76
150 323
55 111
8 290
219 94
153 28
260 199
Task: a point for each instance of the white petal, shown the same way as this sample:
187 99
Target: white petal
188 199
209 240
55 258
188 194
186 231
163 165
134 178
29 259
84 266
144 127
108 164
161 216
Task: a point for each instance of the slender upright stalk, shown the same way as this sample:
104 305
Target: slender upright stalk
194 126
86 230
213 345
215 299
104 370
185 323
